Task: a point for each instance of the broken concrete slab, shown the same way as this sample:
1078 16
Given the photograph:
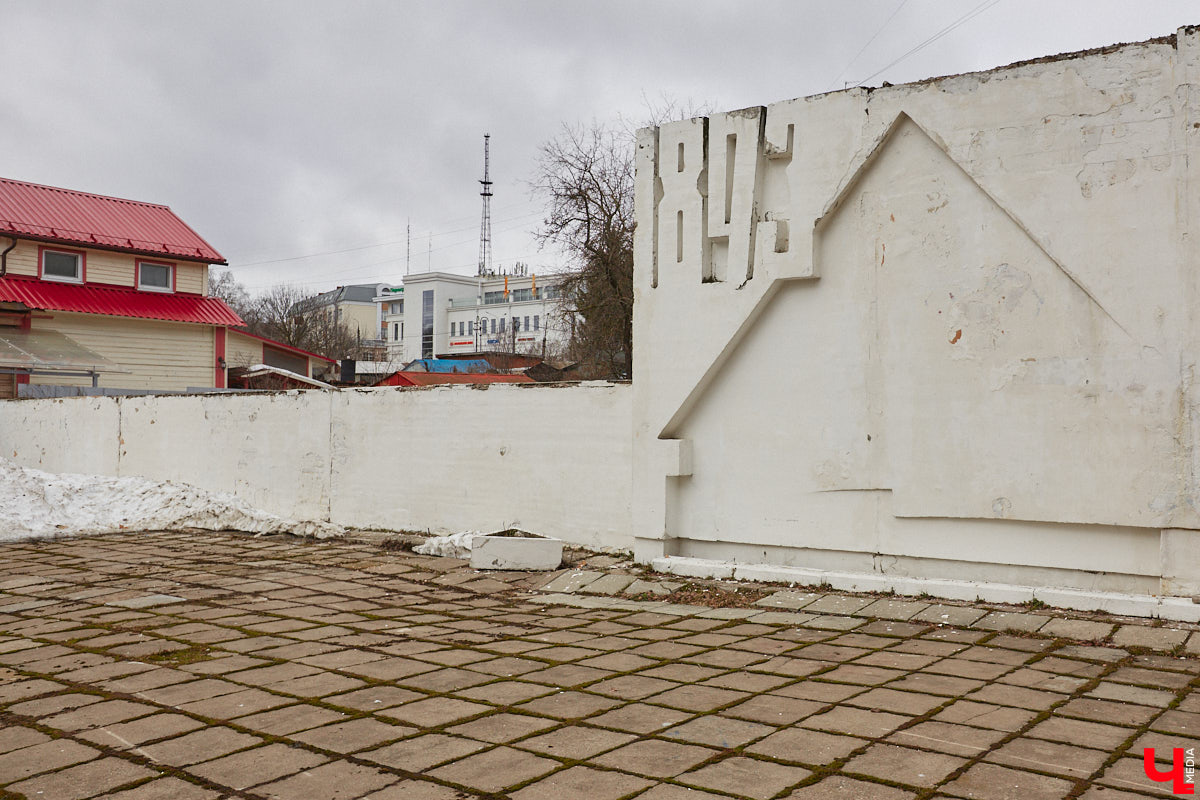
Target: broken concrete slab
609 584
788 599
572 581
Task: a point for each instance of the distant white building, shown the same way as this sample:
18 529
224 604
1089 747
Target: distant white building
437 313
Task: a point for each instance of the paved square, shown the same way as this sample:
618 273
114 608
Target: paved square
156 665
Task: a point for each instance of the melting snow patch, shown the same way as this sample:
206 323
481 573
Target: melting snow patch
40 504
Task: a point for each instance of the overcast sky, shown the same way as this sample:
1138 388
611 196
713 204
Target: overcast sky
299 138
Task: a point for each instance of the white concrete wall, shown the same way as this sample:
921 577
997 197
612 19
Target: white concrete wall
944 329
551 459
554 460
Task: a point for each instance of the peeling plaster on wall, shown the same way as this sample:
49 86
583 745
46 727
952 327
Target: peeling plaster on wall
992 334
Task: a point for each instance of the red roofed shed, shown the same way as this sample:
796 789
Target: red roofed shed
401 378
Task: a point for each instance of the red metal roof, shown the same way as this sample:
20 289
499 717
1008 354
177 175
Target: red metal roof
116 301
51 214
402 378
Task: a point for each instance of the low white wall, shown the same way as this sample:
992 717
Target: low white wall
272 450
550 459
555 460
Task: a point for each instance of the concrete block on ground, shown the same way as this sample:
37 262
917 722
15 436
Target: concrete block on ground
516 552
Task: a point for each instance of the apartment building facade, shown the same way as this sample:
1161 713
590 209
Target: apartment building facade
440 314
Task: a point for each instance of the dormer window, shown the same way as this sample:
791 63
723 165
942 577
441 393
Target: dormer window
62 265
155 277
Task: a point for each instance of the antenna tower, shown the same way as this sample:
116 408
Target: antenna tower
485 226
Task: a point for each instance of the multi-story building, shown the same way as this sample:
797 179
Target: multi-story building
354 306
439 314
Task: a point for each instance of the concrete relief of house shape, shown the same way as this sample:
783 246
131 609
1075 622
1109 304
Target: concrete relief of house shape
942 330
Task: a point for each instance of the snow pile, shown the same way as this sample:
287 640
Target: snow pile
456 545
36 504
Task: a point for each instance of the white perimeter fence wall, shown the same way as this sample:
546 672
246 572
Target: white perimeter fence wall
551 459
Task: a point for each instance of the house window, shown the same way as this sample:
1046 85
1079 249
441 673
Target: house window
470 327
521 295
60 265
516 324
493 326
396 331
491 298
152 277
527 323
502 324
536 321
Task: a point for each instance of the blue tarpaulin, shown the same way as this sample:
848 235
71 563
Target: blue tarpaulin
449 365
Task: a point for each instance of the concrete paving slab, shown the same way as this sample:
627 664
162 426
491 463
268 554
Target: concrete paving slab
346 664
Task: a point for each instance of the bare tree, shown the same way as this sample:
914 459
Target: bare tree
286 314
224 286
586 176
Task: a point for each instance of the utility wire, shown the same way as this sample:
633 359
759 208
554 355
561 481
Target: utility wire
903 3
374 245
964 19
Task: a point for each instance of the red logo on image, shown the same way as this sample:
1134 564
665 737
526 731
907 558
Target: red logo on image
1181 774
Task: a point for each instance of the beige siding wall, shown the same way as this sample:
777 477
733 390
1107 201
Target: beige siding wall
169 356
23 259
360 319
103 266
111 268
191 277
242 351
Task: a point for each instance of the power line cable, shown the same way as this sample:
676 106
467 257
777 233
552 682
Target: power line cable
964 19
903 3
371 246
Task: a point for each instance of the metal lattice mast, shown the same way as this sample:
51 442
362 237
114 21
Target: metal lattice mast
485 225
